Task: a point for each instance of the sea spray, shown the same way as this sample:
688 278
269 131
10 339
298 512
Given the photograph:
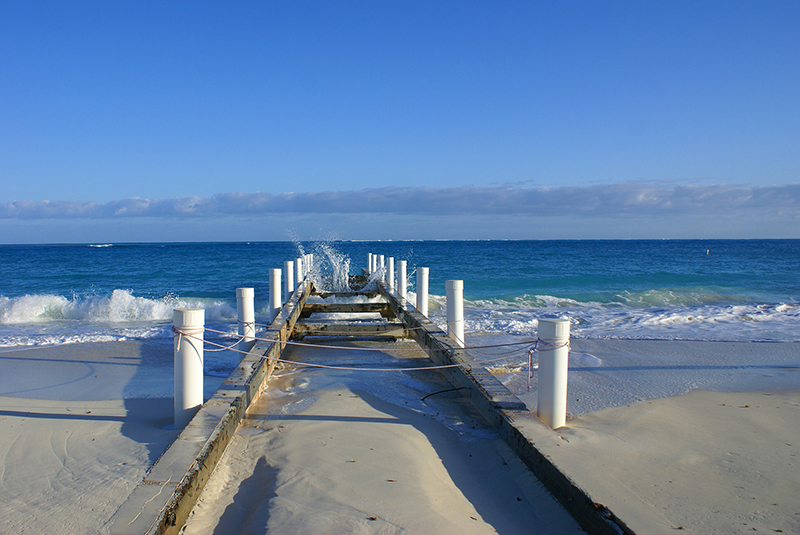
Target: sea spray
331 268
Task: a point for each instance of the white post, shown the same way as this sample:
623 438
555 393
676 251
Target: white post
288 282
455 311
188 361
374 263
390 276
382 266
309 260
274 294
298 270
247 316
369 263
401 278
553 369
422 290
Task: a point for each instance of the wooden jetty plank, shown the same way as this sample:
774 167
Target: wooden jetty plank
347 308
508 414
325 295
395 329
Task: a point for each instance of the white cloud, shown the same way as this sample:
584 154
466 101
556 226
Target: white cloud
626 200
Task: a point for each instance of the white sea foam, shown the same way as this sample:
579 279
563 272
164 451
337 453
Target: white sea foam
39 320
57 339
702 321
120 306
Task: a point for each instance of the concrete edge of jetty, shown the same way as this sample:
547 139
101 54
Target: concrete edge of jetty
161 502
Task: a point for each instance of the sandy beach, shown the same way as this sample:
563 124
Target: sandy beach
80 425
703 462
700 437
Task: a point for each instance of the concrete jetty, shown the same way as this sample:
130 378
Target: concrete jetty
162 502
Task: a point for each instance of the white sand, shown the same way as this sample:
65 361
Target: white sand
79 427
348 452
704 462
663 451
67 466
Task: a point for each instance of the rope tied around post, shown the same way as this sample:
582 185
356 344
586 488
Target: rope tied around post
182 334
535 347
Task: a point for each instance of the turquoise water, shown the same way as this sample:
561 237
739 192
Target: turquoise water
674 289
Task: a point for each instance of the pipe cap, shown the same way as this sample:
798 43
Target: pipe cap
551 329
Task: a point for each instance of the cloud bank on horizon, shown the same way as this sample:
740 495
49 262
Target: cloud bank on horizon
604 201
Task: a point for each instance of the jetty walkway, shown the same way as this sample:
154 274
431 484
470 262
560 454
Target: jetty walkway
354 412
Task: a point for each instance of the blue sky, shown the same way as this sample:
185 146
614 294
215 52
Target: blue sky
163 121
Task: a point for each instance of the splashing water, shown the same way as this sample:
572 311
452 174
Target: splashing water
332 272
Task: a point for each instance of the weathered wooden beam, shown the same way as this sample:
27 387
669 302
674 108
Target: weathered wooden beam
325 295
394 329
347 308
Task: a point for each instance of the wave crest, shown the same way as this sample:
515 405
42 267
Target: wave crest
120 306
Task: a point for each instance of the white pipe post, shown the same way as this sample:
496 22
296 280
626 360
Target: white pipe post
455 311
274 294
374 263
288 281
298 270
382 266
390 276
401 278
422 290
553 369
189 324
247 316
369 263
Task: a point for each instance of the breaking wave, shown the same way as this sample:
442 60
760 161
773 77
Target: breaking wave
120 306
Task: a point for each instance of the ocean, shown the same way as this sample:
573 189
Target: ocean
739 290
